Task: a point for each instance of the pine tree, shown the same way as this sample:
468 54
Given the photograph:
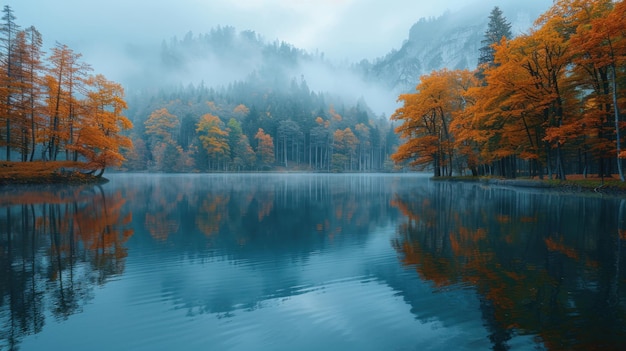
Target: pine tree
497 28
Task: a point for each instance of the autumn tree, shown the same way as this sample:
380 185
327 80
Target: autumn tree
99 132
159 128
52 105
19 96
426 116
597 34
543 96
64 81
345 144
251 124
265 148
527 105
30 57
241 110
462 122
214 139
8 32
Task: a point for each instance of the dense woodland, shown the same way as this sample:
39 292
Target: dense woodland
545 103
52 107
255 125
549 102
268 120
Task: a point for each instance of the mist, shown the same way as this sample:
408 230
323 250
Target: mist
125 40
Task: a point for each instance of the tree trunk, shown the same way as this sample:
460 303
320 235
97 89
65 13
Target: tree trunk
559 163
617 128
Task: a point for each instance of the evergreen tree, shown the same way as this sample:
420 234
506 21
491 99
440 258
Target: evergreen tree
497 28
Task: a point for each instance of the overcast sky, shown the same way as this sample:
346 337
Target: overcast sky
342 29
121 38
328 25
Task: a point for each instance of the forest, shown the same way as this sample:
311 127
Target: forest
267 120
256 125
546 103
55 110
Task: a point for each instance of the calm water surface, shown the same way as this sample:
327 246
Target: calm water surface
309 262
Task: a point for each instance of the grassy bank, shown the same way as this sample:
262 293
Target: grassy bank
50 172
573 184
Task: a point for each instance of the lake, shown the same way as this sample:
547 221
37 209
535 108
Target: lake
309 262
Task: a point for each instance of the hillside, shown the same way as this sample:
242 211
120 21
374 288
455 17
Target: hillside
450 41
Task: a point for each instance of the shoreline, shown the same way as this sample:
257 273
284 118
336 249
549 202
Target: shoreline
52 179
610 187
46 173
59 175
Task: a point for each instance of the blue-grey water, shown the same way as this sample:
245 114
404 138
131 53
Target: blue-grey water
309 262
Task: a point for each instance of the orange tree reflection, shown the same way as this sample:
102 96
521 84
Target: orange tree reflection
56 245
543 264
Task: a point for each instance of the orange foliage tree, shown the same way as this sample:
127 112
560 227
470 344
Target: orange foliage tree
99 139
214 139
549 96
54 106
165 151
28 95
265 148
426 117
598 30
64 81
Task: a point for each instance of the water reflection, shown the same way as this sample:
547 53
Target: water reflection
546 265
252 235
308 262
259 215
57 244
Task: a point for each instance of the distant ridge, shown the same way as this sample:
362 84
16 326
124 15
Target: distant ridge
451 41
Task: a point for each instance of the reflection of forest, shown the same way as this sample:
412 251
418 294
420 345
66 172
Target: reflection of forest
544 264
257 214
250 220
56 245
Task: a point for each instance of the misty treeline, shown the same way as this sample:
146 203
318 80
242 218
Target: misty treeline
269 119
549 102
52 107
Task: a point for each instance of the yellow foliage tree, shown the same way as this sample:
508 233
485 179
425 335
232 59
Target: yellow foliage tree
214 139
265 147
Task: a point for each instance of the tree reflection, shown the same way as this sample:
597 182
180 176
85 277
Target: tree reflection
275 212
256 218
546 265
57 244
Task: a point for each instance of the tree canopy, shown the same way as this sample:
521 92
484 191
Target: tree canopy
546 102
53 108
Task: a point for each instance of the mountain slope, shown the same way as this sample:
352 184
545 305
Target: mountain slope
450 41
